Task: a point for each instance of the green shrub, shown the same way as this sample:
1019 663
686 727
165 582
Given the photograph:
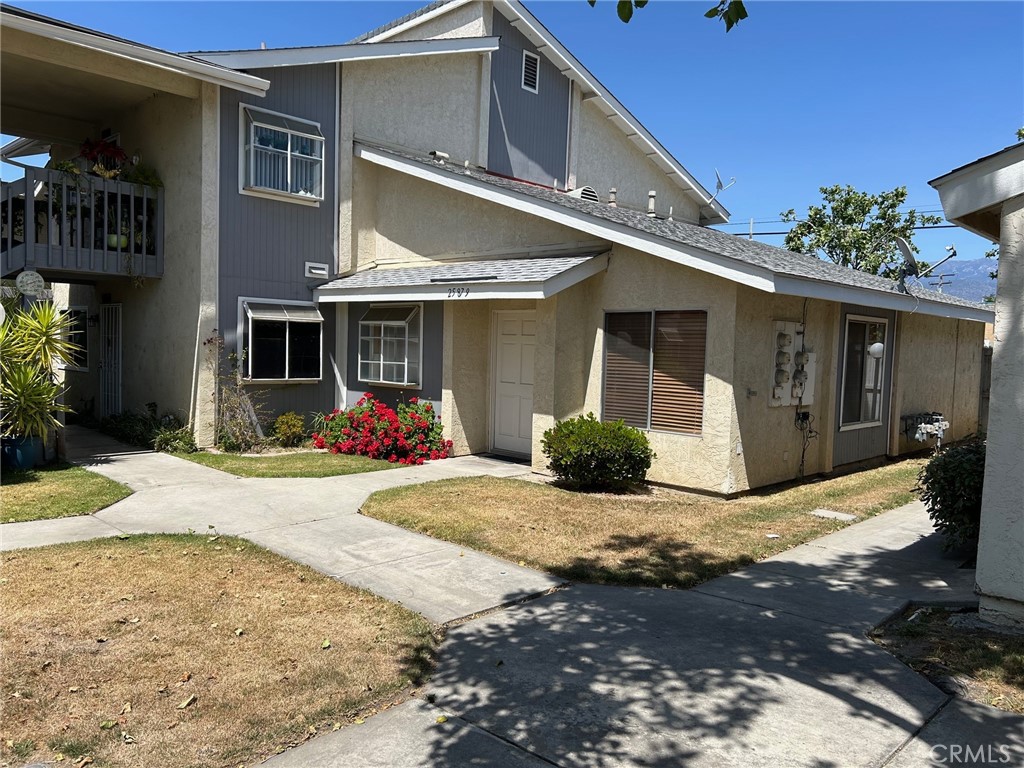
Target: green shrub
593 455
175 440
289 429
950 486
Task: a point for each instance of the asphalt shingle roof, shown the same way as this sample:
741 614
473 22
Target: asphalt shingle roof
514 270
769 257
399 21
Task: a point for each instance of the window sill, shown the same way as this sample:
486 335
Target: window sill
390 385
865 425
270 194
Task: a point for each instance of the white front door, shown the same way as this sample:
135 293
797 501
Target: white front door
110 359
515 344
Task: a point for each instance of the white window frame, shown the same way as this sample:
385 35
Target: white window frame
359 349
84 332
882 382
243 344
245 157
522 72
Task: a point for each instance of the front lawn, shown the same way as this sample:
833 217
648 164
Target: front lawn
661 538
61 490
296 464
189 651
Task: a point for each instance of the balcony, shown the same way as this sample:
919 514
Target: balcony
71 226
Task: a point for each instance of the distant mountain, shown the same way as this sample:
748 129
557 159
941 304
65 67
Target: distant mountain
969 279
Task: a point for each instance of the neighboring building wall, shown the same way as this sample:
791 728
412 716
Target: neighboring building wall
771 443
164 320
605 158
528 132
938 368
265 242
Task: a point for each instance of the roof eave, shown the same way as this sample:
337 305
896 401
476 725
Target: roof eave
81 37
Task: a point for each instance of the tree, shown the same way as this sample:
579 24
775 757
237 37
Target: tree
856 229
731 12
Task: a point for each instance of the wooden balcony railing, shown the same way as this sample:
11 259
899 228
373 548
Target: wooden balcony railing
66 224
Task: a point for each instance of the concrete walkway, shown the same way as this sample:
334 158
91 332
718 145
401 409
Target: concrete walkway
768 666
312 521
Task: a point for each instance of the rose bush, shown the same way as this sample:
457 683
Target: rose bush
410 435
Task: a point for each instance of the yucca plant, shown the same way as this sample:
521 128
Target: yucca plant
33 342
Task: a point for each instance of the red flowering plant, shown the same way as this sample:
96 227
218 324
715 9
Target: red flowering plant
410 435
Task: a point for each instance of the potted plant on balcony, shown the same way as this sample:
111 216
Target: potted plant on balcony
105 157
33 342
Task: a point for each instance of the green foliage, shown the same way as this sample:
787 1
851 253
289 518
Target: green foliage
729 11
141 173
950 485
33 341
289 429
1020 134
856 229
593 455
166 433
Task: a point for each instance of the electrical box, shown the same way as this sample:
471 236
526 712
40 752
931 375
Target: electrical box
793 366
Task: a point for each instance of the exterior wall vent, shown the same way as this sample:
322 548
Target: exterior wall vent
531 71
586 193
317 270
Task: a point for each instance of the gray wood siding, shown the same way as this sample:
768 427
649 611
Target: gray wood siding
264 243
527 132
433 348
854 445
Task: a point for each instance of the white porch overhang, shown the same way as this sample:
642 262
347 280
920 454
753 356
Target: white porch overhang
972 195
511 278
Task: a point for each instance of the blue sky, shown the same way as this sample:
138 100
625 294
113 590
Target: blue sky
800 95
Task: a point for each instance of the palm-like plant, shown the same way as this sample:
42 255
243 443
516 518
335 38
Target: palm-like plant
33 342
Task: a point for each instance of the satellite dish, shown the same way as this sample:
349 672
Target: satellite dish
909 262
720 186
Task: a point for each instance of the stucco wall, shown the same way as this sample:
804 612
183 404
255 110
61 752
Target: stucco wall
469 20
605 158
771 442
938 368
432 103
417 220
636 281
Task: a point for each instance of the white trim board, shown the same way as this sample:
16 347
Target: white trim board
201 70
737 271
332 54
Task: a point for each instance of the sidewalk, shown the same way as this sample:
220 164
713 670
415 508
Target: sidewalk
768 666
312 521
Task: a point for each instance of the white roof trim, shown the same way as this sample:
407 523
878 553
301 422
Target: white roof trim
173 62
477 289
415 22
705 261
983 184
332 54
760 278
571 67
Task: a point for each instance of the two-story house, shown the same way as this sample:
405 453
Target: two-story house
452 207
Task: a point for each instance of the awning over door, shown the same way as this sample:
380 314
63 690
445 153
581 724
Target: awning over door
511 278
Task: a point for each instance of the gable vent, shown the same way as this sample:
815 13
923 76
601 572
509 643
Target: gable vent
586 193
531 71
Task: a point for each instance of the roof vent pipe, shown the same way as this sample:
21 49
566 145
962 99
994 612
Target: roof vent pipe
670 213
650 203
611 197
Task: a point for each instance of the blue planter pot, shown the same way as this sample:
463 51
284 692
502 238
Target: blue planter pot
19 452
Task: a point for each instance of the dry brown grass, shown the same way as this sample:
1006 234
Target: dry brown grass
105 642
988 664
59 490
661 538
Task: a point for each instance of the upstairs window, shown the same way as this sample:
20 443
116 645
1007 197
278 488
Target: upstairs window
283 342
282 155
654 369
390 345
531 71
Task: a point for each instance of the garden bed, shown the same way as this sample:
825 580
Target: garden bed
189 651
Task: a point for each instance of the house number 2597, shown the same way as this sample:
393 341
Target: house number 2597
458 293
